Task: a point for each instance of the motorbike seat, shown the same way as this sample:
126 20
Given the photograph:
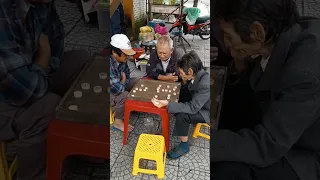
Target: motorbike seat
202 19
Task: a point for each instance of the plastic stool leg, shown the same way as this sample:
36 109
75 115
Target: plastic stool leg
196 130
136 167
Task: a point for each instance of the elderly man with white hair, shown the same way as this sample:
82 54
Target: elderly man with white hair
162 63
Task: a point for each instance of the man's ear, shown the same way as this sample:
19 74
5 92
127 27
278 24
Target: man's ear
257 32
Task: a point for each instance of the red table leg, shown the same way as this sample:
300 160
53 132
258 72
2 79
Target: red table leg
165 117
132 105
55 158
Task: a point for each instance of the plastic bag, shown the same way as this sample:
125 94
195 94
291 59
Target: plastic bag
144 29
161 29
146 36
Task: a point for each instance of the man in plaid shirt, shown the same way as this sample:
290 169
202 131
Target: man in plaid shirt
120 80
33 77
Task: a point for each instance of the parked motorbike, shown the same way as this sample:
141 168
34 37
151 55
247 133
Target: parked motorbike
200 28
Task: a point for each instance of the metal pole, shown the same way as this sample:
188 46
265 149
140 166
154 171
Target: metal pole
195 3
150 2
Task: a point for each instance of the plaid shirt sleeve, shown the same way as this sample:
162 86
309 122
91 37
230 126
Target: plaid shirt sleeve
127 72
55 31
116 86
20 81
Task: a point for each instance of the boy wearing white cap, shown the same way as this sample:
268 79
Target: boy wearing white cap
120 81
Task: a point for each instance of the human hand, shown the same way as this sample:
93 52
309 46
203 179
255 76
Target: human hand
172 77
213 53
124 78
184 80
159 103
44 52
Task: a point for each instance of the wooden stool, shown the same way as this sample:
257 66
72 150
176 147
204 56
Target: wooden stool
150 147
147 107
197 132
6 171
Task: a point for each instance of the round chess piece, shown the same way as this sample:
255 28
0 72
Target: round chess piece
97 89
73 108
85 86
77 94
103 75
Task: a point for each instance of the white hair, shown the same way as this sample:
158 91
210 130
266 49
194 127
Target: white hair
165 39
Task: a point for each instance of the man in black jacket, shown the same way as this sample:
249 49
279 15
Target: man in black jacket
163 61
285 48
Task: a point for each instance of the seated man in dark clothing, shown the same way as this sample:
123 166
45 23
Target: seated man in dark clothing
284 48
121 82
34 74
162 63
193 108
234 106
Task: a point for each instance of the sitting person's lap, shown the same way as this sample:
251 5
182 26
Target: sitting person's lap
117 102
30 122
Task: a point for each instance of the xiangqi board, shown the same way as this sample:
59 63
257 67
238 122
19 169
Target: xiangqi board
146 89
87 100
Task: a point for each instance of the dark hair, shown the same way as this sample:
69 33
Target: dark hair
116 50
276 16
190 60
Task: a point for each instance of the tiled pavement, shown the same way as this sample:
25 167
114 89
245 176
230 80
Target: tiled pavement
194 165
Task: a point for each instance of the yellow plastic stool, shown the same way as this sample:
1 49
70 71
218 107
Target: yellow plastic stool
150 147
197 132
6 171
111 116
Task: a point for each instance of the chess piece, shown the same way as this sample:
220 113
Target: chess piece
85 86
73 108
103 75
97 89
77 94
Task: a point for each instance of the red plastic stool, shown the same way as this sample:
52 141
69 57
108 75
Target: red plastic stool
147 107
138 51
67 138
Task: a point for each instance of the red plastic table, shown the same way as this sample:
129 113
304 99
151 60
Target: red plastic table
147 107
66 138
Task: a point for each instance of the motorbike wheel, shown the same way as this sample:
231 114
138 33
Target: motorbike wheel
205 32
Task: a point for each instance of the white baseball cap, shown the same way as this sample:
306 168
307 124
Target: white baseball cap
122 42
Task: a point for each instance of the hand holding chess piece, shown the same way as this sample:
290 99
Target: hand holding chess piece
159 103
172 77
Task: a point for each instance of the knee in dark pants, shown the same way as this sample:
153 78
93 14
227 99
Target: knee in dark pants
230 171
182 118
34 122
